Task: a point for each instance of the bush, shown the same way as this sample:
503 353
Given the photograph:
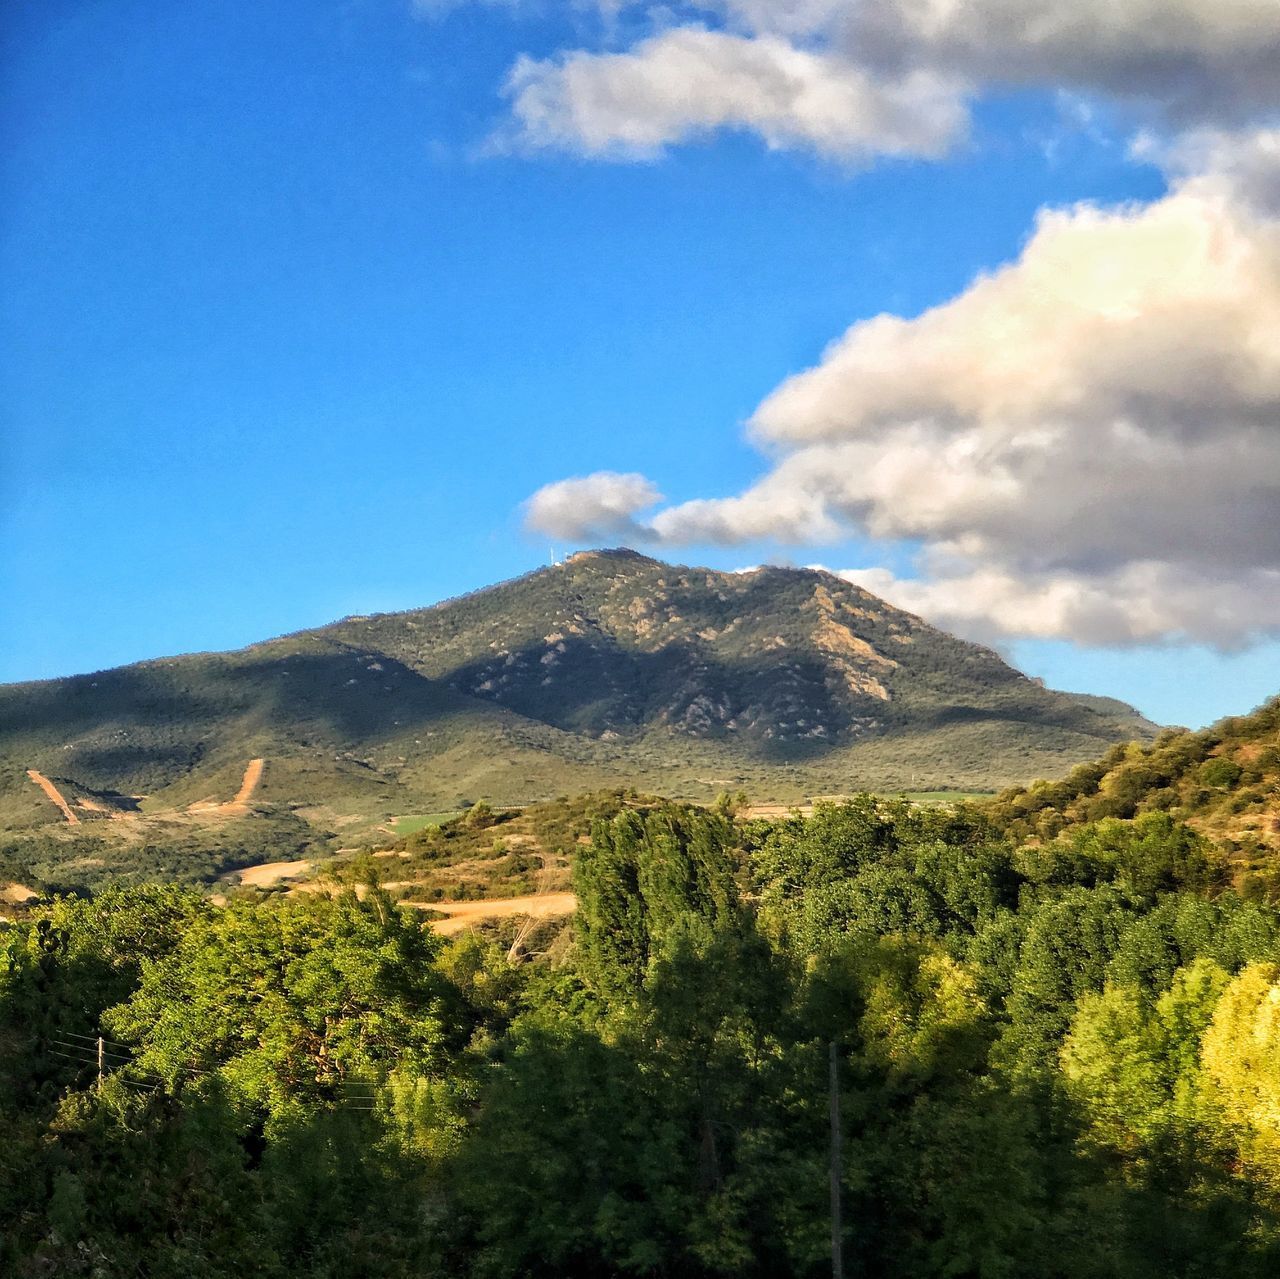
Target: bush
1220 773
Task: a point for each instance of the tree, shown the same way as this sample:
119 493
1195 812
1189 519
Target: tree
293 1000
642 876
1242 1059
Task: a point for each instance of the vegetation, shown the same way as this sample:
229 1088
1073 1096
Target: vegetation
1223 781
610 670
1055 1057
50 860
1051 1012
421 821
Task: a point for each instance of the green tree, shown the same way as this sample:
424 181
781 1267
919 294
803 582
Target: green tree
292 1001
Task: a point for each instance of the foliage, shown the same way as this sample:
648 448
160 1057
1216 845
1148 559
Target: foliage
1055 1059
1223 781
289 1001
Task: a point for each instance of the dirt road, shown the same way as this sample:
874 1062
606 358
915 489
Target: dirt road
240 803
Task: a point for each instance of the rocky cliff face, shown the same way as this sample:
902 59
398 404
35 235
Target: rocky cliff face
615 643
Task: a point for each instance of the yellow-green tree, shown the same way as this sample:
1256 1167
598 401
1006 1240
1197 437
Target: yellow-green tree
1133 1067
1241 1057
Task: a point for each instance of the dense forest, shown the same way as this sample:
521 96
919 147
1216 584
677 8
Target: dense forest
1053 1056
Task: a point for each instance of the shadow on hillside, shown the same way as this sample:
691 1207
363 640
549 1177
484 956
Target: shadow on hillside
777 708
143 727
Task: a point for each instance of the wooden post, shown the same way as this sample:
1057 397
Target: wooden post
837 1232
99 1065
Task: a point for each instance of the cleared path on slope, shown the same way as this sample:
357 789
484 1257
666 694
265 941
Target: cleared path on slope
240 802
54 794
249 784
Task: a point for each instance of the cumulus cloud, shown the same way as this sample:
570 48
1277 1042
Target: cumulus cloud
689 81
857 78
1241 167
1192 58
1139 603
592 507
1084 443
1125 350
1164 313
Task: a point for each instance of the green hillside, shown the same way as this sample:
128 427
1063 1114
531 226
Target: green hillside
609 670
1224 781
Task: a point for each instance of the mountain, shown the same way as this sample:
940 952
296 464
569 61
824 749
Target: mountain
1224 781
609 669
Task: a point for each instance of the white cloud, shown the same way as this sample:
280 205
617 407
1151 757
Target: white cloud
1157 313
1137 604
1126 350
602 505
689 81
1085 443
852 79
1240 167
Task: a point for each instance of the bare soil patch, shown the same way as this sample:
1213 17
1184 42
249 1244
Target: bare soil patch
238 805
463 915
55 795
273 872
249 784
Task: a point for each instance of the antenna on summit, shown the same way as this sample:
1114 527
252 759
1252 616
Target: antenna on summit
554 561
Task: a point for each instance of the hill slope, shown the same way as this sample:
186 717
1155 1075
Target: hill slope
609 669
1224 781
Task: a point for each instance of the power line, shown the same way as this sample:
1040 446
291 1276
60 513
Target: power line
354 1094
93 1039
109 1052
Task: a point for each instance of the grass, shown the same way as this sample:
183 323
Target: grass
401 826
945 796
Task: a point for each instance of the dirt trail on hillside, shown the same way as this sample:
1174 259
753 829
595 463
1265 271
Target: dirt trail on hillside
54 794
463 914
252 776
240 803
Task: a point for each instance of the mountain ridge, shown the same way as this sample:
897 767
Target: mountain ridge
609 668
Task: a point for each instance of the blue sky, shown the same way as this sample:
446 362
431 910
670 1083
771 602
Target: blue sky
300 311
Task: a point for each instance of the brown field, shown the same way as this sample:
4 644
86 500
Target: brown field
273 872
463 915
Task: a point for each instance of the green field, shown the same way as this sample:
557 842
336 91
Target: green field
420 821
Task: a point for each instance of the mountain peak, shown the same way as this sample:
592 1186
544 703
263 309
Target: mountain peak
611 553
613 668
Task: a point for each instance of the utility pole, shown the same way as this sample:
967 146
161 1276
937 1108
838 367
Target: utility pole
837 1241
99 1065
